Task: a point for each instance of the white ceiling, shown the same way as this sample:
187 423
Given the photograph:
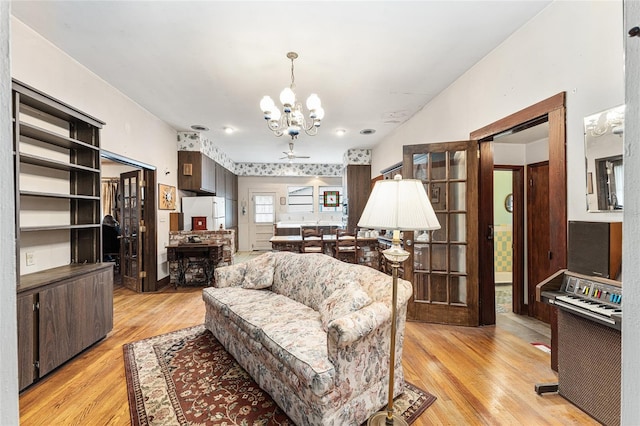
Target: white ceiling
373 64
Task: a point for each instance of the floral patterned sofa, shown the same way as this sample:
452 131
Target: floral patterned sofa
312 331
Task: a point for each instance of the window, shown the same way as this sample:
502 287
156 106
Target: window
300 199
264 209
331 189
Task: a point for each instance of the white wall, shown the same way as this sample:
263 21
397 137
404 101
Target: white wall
575 47
631 225
279 186
131 131
9 414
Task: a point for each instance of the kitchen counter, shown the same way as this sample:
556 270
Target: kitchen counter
293 228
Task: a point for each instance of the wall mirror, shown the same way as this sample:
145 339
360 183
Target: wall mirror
603 134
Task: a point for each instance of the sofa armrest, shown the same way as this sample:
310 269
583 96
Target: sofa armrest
350 328
230 276
358 347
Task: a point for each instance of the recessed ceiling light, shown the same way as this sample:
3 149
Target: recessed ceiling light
341 132
200 127
228 130
367 131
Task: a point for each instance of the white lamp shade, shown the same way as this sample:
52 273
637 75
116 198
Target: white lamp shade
266 104
399 204
319 113
313 102
287 97
275 114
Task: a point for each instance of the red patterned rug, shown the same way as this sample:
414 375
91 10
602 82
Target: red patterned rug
187 378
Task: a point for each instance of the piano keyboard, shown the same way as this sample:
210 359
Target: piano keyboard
590 298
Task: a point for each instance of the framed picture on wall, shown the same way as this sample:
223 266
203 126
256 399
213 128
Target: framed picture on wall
167 197
331 199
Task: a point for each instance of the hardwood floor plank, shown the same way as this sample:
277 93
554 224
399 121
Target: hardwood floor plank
481 376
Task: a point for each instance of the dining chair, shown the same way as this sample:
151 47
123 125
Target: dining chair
311 241
346 247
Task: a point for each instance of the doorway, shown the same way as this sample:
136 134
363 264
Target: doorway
128 196
509 237
262 215
503 239
550 111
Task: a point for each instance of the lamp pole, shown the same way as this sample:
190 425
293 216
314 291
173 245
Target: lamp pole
388 198
395 255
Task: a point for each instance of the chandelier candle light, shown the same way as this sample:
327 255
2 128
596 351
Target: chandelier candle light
293 120
397 205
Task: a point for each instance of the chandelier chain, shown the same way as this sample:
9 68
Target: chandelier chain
293 77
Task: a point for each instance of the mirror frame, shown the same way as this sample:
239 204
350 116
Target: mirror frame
603 144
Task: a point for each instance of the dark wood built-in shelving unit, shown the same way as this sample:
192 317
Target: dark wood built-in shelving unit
63 306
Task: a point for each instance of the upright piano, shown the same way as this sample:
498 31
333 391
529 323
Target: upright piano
588 342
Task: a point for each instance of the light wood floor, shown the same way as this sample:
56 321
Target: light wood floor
480 375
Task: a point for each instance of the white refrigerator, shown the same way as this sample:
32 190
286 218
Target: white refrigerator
210 207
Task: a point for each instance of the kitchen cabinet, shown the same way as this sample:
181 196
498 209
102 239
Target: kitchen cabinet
229 179
356 182
202 175
196 172
231 193
221 178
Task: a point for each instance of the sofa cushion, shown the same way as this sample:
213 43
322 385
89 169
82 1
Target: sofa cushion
301 345
290 331
228 298
312 277
349 298
259 272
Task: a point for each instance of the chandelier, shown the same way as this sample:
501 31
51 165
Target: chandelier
293 119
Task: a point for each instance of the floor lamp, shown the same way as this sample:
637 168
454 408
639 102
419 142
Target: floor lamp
396 205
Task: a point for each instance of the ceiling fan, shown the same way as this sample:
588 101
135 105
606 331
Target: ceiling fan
291 155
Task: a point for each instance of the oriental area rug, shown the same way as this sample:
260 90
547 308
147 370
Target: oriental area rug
187 378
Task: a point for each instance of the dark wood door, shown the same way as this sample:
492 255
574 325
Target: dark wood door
538 236
486 287
443 264
131 213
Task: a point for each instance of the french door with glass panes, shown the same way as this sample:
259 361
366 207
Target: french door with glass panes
131 226
443 264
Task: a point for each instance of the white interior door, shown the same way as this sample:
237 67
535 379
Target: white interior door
263 216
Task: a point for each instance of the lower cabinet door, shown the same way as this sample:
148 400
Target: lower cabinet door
26 340
61 322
